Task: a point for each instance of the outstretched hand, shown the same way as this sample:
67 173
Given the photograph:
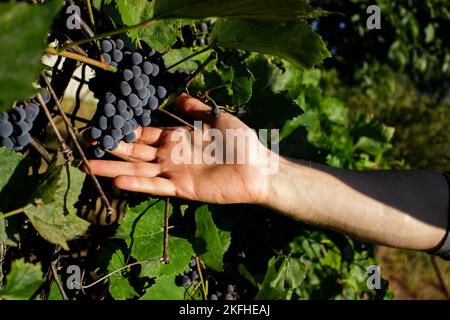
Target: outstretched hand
149 166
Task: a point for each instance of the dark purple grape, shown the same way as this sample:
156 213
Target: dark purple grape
193 263
118 122
109 97
20 128
230 288
134 124
114 64
133 100
107 58
138 83
117 134
6 129
125 88
8 143
127 128
155 71
213 297
145 79
208 39
145 120
161 92
136 71
129 138
109 110
195 276
143 93
23 140
203 27
18 114
148 67
95 133
229 296
125 114
46 96
152 90
106 46
4 116
185 281
121 105
119 44
216 112
138 111
107 142
136 58
32 110
152 103
98 152
201 41
152 53
117 55
127 74
115 145
103 123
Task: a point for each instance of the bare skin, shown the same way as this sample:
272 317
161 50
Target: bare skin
405 209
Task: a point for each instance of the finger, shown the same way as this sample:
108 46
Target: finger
155 186
148 135
112 169
135 152
192 107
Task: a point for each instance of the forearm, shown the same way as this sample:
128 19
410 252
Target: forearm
406 209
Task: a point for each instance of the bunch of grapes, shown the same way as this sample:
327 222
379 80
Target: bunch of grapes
190 275
231 294
205 36
128 97
16 124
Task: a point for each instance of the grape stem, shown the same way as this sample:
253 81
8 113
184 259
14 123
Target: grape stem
440 277
72 134
165 258
81 58
36 145
200 68
65 149
110 33
58 283
189 57
170 114
204 288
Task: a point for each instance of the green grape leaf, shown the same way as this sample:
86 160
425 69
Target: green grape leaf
242 86
294 41
143 230
283 276
165 288
22 281
256 9
176 55
15 187
54 216
210 243
119 287
23 33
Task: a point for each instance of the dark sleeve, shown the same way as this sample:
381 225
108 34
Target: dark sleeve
443 250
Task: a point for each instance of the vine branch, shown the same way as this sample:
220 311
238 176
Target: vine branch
81 58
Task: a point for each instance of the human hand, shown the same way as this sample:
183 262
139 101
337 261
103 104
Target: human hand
150 167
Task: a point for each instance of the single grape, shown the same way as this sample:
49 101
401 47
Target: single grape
20 127
148 67
117 122
138 111
143 93
117 134
121 105
145 120
107 58
229 296
113 43
95 133
134 124
6 129
127 74
138 83
46 96
230 288
24 139
32 110
109 110
117 55
127 128
8 143
120 44
18 114
110 97
201 41
102 123
136 58
203 27
185 281
152 53
115 145
114 64
133 100
152 103
136 71
195 276
152 90
145 79
155 71
107 142
216 112
4 116
129 138
161 92
125 88
213 297
125 114
208 39
98 152
240 112
193 263
106 46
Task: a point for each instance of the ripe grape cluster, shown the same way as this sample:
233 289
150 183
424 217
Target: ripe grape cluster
231 294
190 275
16 124
128 97
205 36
